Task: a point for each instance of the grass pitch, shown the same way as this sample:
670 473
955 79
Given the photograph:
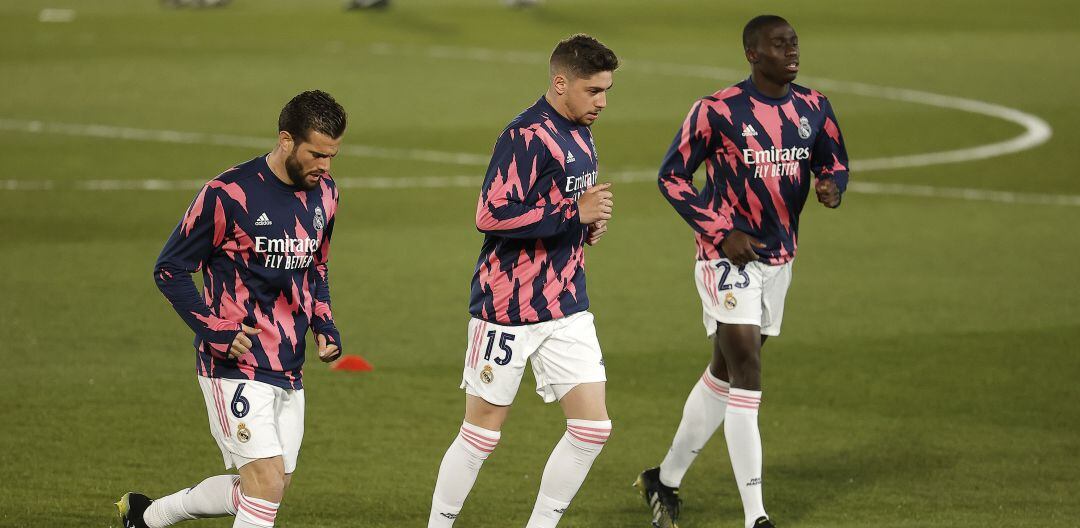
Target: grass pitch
926 375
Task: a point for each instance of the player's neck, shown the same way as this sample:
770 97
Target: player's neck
769 88
559 106
276 161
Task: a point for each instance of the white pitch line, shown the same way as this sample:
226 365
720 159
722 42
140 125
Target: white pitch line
974 195
56 15
459 182
1036 130
227 140
901 189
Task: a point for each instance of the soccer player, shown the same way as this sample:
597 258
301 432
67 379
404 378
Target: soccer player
760 141
260 233
539 205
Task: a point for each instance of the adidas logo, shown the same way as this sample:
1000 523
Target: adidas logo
570 157
263 220
748 131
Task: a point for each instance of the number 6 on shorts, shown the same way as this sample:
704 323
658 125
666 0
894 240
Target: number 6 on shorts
240 405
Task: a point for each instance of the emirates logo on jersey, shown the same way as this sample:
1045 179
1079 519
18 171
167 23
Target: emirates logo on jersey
775 155
287 253
774 162
576 185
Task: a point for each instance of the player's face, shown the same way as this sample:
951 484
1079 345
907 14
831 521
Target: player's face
776 55
586 98
309 160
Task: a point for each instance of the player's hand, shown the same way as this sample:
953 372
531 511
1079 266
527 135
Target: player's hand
739 247
595 204
596 230
828 193
242 343
327 353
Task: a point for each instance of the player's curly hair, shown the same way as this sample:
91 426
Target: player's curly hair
582 56
753 28
312 110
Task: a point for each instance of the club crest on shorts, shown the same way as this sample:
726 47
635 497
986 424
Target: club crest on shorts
243 434
487 375
804 127
729 301
319 221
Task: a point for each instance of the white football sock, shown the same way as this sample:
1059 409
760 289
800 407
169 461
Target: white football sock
567 468
458 471
702 415
255 513
744 447
213 497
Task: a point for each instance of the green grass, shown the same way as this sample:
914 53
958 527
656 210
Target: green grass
927 371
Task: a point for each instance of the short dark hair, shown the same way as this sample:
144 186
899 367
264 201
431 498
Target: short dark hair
582 56
312 110
755 25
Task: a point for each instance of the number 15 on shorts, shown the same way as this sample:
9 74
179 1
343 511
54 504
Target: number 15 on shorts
504 340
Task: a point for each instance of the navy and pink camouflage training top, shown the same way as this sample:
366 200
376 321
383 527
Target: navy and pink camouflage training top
263 248
532 263
759 153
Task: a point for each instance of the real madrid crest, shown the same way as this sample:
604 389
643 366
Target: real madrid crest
243 434
804 127
487 375
319 221
729 301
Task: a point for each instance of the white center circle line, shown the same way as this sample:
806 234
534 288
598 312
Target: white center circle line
1036 130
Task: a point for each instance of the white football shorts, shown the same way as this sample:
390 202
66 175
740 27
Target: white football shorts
563 352
753 294
252 420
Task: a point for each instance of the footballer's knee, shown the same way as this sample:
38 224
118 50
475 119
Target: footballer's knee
742 356
748 376
481 413
744 364
264 479
583 401
746 370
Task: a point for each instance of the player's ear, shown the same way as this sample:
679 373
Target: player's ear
560 83
751 56
285 141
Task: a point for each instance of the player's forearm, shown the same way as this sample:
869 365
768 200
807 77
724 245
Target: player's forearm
177 286
693 207
515 220
322 317
708 223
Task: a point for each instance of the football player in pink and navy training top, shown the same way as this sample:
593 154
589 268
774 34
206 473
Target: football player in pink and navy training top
539 206
762 142
260 233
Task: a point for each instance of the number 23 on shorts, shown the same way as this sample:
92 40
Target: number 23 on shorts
725 270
